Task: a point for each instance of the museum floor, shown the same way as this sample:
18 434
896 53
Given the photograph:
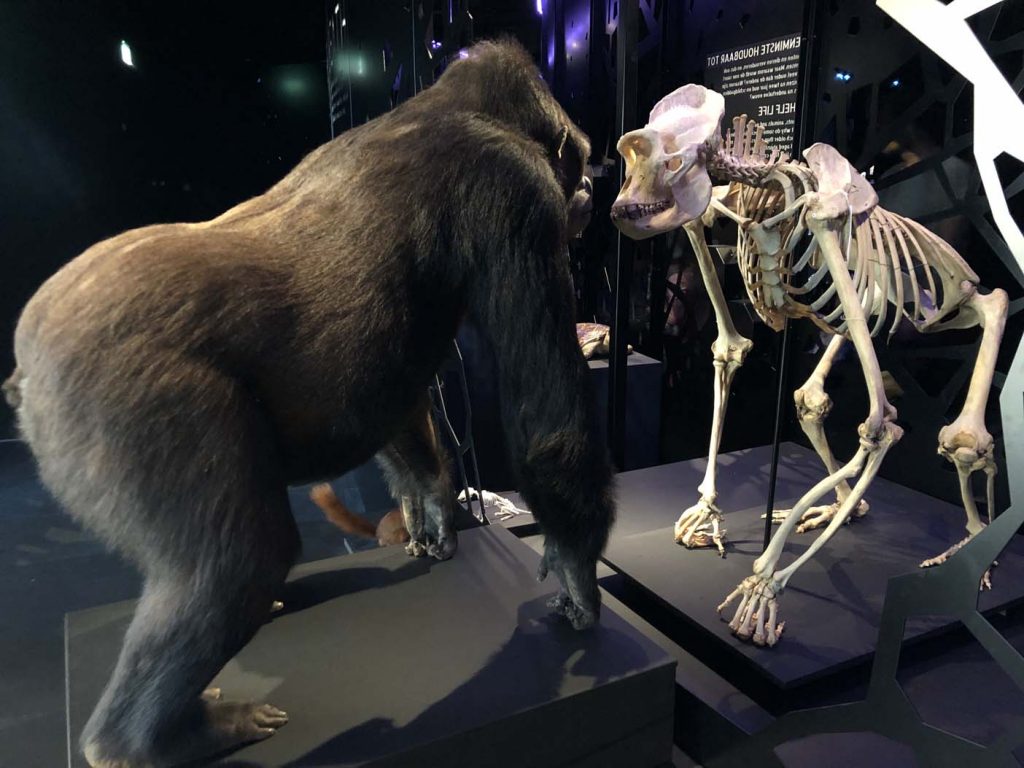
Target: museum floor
49 568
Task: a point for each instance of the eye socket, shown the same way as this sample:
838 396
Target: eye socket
634 146
673 164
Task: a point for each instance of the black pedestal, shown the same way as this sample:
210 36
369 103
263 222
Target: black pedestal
833 603
382 660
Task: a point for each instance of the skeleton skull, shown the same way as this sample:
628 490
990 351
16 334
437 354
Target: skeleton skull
667 183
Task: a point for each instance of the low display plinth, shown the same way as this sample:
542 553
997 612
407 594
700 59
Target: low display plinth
833 604
384 660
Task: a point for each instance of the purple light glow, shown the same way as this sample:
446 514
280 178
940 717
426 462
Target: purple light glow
577 32
435 44
463 54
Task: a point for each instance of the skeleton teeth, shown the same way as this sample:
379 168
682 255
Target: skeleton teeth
635 211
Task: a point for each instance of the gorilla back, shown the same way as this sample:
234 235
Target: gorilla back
173 380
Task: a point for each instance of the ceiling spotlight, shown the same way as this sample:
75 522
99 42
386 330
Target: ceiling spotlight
895 83
337 7
540 7
126 54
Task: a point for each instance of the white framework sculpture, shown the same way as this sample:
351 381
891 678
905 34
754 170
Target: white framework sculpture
812 243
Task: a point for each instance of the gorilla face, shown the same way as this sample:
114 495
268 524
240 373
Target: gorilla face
581 205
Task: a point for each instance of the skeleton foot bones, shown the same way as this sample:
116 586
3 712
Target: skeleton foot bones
701 526
819 516
986 578
504 508
967 444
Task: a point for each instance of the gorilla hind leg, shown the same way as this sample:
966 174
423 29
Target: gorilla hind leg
155 710
214 534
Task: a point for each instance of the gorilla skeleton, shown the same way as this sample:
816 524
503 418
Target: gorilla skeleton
172 381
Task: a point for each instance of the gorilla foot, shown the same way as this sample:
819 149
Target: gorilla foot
228 725
579 599
580 618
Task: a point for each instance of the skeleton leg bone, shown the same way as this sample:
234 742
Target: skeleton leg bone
966 443
812 406
701 524
756 617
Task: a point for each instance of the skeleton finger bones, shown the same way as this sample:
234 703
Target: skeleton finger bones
757 614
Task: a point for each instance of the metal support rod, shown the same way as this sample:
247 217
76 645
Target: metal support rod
415 45
461 446
625 118
805 124
780 399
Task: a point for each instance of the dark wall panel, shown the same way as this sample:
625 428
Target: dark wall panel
220 103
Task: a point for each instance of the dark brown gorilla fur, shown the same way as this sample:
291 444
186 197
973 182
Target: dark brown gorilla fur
175 379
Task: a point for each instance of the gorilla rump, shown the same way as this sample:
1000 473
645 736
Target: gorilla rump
172 381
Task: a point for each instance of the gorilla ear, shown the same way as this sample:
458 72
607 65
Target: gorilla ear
563 136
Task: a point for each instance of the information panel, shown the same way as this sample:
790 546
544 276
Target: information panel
760 80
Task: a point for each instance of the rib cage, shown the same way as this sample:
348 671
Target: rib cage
899 268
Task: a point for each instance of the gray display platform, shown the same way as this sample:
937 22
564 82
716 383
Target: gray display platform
383 660
833 603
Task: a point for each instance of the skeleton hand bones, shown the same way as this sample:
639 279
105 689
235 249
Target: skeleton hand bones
757 614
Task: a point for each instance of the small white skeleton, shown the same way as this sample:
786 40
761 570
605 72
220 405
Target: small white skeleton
504 508
813 243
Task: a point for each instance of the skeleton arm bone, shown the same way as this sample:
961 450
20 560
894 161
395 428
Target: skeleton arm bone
877 434
812 406
720 207
795 207
730 350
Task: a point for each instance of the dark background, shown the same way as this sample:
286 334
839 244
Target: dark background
225 98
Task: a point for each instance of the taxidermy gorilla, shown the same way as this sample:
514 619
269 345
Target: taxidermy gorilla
174 380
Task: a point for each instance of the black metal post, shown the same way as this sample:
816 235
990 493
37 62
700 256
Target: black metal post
625 119
804 129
